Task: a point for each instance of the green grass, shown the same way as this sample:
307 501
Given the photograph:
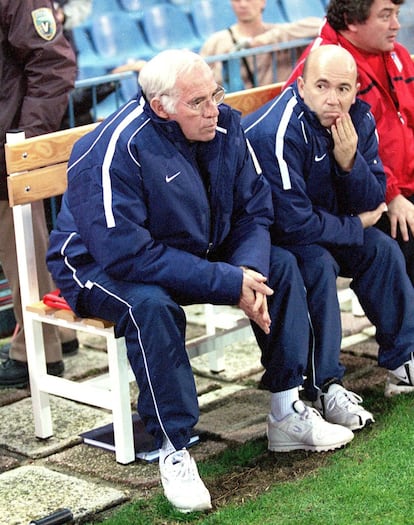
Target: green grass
368 482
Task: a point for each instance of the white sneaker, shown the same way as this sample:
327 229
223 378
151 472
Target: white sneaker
343 407
182 484
305 430
401 380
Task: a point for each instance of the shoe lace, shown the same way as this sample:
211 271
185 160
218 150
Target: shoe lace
305 412
184 467
343 399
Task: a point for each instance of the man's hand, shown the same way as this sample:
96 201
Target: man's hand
345 142
369 218
253 300
401 214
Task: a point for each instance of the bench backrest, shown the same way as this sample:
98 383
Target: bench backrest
37 165
251 99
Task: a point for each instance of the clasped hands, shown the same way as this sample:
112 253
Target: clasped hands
253 298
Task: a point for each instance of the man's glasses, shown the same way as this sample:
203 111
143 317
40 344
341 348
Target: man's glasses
200 105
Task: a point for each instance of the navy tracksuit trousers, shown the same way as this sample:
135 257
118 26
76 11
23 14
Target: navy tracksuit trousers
380 281
154 324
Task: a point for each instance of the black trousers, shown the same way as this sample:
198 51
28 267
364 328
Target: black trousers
407 247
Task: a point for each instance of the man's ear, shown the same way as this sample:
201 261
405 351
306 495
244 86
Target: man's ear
356 91
158 108
301 83
349 26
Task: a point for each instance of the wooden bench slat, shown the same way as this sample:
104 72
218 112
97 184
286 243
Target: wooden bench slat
249 100
68 315
36 152
38 184
40 308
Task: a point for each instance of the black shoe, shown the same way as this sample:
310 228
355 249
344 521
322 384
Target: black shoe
68 348
15 374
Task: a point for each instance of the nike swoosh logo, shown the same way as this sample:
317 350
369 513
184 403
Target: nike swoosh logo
172 177
318 159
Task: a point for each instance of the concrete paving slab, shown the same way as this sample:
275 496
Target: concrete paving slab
351 340
11 395
240 416
211 398
232 410
31 492
364 346
86 363
135 479
17 434
97 463
352 324
241 360
7 462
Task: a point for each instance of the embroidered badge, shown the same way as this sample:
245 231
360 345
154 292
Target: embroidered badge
44 23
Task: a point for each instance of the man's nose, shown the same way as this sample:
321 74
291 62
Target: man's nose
332 96
395 23
210 109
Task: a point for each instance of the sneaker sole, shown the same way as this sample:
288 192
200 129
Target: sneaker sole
392 390
356 426
198 508
367 423
312 448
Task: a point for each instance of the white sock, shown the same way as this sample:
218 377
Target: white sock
167 449
281 403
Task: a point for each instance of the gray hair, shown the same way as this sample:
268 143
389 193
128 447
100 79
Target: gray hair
158 77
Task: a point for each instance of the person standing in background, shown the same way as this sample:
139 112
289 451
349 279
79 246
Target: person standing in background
251 31
37 72
72 13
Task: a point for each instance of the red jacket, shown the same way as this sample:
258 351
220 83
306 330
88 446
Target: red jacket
395 120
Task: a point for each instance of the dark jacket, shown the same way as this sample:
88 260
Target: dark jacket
145 205
37 71
314 201
393 109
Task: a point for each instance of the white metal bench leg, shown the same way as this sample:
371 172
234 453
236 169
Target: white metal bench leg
29 289
349 301
356 307
121 410
37 369
216 356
